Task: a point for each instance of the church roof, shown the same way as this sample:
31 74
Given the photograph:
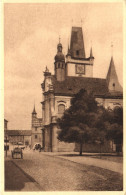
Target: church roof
72 85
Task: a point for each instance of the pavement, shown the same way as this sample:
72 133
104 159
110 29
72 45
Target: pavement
61 171
17 180
86 159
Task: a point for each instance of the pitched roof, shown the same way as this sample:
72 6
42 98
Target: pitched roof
72 85
19 132
112 78
34 111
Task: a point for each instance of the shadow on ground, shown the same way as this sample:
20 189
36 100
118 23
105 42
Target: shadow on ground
15 178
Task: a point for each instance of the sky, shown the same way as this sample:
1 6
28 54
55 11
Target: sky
31 35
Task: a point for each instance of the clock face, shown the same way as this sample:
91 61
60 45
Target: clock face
80 69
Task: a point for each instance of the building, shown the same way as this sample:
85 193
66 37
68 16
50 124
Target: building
36 136
16 136
6 141
72 73
5 124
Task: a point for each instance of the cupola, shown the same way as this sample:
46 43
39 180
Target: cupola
59 56
59 64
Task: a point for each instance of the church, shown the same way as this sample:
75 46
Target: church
72 73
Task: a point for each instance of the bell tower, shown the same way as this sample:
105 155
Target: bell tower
59 64
76 62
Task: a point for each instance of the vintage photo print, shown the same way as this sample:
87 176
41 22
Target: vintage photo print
63 97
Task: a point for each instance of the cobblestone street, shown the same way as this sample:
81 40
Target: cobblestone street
40 172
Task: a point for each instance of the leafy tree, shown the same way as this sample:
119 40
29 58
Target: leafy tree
114 125
81 122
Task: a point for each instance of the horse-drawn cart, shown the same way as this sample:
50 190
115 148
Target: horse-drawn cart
16 152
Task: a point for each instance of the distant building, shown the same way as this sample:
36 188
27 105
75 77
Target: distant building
22 136
73 73
5 124
6 141
36 136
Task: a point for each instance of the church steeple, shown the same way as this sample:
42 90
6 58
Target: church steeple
34 113
59 63
112 78
77 43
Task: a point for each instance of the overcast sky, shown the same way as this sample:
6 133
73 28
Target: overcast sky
31 36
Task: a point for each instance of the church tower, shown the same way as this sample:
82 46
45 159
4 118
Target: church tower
59 64
34 116
76 62
36 126
112 78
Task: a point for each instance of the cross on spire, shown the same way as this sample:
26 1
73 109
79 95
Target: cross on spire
59 38
112 48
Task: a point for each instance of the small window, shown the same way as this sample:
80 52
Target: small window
58 65
35 136
113 84
77 52
35 128
61 109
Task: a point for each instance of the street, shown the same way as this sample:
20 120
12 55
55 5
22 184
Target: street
17 180
41 172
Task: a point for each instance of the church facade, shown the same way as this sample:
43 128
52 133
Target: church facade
72 73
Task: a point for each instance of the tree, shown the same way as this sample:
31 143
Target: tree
114 126
80 123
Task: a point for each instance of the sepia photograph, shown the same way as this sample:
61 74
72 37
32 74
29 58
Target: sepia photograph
63 96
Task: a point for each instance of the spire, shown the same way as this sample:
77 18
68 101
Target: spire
91 53
34 111
77 43
68 51
112 78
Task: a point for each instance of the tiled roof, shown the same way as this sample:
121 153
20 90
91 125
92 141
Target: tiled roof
72 85
19 132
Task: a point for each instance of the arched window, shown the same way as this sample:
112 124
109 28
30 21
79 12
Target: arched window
61 108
